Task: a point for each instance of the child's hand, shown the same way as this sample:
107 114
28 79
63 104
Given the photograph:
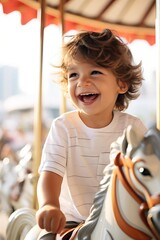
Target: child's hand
51 219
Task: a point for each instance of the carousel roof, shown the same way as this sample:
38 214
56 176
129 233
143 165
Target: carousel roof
130 18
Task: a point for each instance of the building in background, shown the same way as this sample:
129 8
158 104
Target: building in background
9 82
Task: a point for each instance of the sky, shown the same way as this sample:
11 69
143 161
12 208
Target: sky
20 47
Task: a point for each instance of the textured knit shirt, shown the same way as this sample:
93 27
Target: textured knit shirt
79 154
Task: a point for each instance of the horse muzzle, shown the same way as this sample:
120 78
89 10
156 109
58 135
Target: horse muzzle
153 219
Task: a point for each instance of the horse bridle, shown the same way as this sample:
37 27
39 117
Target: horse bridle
124 178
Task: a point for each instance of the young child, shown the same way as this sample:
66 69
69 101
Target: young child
100 78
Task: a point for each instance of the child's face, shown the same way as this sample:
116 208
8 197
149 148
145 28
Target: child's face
93 89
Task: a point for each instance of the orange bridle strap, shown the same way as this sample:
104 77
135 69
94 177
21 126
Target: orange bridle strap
119 175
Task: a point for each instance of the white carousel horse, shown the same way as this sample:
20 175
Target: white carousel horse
7 179
128 206
21 193
16 181
18 228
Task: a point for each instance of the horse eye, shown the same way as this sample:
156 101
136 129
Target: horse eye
145 171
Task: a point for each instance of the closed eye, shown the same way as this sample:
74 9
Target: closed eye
72 75
95 72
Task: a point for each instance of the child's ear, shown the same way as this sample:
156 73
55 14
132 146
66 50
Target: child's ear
123 87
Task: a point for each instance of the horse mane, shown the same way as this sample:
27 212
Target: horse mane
87 229
150 142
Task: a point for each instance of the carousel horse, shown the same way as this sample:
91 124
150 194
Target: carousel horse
21 193
126 207
7 179
16 181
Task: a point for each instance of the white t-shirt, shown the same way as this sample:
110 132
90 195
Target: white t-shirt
79 154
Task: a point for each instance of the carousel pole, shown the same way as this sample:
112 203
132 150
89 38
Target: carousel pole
63 107
38 109
158 61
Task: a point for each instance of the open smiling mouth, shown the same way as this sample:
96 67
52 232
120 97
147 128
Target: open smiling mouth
88 97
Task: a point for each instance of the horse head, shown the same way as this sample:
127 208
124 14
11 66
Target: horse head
138 168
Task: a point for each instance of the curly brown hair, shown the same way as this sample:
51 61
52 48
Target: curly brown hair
105 49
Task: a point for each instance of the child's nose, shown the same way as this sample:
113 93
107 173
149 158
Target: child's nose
83 81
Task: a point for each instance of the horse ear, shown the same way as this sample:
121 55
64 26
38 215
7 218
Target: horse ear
134 136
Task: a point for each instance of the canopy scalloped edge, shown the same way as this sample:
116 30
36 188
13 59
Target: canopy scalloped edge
29 11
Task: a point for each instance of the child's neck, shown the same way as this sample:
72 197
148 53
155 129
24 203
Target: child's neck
95 121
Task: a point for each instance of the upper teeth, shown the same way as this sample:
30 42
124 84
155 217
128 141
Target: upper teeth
84 94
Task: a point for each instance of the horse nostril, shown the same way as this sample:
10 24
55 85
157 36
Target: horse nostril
154 217
158 216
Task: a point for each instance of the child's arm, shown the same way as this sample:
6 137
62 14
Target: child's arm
49 215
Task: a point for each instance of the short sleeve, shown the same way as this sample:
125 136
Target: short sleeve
54 152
